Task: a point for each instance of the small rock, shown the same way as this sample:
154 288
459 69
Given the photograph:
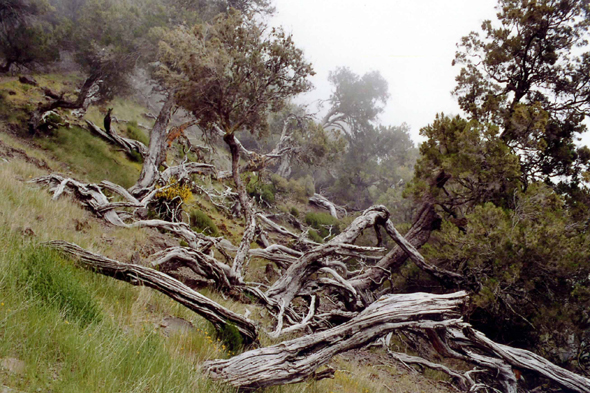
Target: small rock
13 365
176 325
11 92
26 80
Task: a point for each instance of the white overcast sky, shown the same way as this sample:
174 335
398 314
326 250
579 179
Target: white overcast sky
411 42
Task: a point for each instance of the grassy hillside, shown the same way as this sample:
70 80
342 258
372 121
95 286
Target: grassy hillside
66 329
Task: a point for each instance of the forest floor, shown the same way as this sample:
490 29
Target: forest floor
65 329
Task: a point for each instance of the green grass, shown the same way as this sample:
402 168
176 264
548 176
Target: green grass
134 132
91 157
123 109
53 282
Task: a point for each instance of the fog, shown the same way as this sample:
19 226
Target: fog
412 44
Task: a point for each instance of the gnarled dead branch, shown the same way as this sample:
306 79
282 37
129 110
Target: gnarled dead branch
296 360
141 275
325 203
111 136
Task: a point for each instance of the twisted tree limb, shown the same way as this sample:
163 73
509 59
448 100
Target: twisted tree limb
296 360
111 136
325 203
141 275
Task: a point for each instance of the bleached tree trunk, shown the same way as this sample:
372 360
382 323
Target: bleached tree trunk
156 153
325 203
425 222
241 257
298 359
129 145
287 287
141 275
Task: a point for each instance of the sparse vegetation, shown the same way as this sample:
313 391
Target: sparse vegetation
497 249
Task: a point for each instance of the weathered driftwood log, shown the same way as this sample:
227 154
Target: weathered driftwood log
298 359
366 283
464 381
476 345
111 136
325 203
200 263
141 275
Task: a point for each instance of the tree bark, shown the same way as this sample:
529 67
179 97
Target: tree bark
35 119
298 359
287 287
325 203
140 275
249 217
111 136
156 153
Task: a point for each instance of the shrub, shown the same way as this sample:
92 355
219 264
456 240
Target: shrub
261 191
231 337
308 184
201 222
322 222
281 184
169 199
299 189
313 235
294 212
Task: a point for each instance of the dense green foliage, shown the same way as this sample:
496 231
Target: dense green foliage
26 39
201 222
524 75
233 73
513 203
260 190
325 225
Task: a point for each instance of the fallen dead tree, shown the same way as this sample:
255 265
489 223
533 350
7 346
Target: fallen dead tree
325 203
218 315
299 359
310 271
111 136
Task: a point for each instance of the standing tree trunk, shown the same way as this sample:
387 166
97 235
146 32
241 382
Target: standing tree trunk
156 151
242 254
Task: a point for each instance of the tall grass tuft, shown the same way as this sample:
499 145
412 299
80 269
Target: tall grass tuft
49 279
